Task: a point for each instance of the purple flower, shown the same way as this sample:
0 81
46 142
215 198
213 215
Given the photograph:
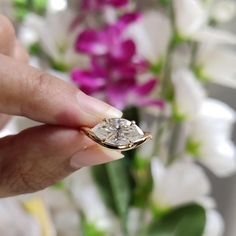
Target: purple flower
119 92
109 39
94 5
114 66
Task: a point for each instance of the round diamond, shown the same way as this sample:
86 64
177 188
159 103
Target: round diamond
118 132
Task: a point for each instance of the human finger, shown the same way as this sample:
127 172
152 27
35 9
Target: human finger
40 156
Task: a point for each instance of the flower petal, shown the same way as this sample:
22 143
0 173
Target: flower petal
187 86
151 43
223 11
222 69
178 184
92 42
124 51
220 158
147 87
151 102
117 93
85 194
117 3
213 35
128 19
190 16
214 122
214 224
87 81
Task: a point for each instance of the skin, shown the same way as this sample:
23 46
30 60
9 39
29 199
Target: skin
40 156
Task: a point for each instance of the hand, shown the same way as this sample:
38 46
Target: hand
41 156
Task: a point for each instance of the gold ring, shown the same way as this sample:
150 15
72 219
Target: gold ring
117 133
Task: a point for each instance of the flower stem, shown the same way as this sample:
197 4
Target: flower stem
166 88
175 142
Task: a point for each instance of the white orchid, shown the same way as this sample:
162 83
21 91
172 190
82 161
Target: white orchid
152 35
14 219
223 11
56 5
57 40
89 201
189 93
192 17
66 221
217 64
214 224
182 182
211 130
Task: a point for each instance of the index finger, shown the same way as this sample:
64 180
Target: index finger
46 98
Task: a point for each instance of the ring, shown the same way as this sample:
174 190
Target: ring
117 133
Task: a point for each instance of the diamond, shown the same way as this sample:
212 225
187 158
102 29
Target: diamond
118 132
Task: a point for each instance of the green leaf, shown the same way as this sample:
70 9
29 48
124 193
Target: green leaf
27 6
165 2
60 66
101 178
119 185
177 116
157 68
143 181
200 74
90 229
114 183
59 185
193 147
39 5
187 220
35 49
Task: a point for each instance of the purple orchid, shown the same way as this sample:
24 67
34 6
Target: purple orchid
94 5
114 66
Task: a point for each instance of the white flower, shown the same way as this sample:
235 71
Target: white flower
13 220
56 5
212 129
182 182
134 216
66 222
55 36
191 18
189 93
216 36
89 200
217 64
151 35
214 224
223 11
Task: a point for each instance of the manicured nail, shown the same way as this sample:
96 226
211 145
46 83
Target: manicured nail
96 107
94 155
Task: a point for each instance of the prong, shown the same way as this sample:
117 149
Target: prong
147 135
133 122
130 144
106 120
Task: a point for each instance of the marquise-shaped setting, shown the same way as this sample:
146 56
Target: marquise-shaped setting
117 133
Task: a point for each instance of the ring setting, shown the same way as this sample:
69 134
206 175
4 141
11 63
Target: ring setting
117 133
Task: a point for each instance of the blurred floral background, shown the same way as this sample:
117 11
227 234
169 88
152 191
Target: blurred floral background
164 63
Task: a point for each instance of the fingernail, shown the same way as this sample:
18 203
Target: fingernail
94 155
96 107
